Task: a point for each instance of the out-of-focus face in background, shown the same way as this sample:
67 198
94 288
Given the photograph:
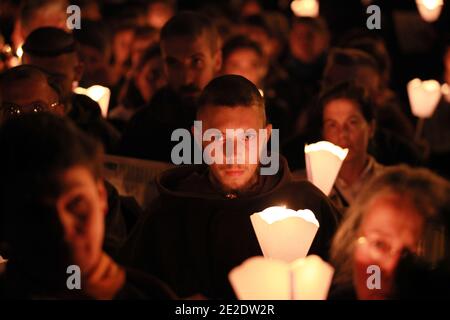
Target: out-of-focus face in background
121 45
389 226
306 43
344 125
190 64
247 63
140 43
150 78
81 209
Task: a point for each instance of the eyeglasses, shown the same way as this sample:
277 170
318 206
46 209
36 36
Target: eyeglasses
382 248
15 110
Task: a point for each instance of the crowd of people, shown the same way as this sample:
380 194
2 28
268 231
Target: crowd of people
231 65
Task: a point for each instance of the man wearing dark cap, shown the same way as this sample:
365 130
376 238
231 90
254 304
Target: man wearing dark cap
55 51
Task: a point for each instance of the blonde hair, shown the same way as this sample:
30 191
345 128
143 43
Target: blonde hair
428 193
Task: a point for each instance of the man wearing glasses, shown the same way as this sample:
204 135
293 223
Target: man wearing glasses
26 89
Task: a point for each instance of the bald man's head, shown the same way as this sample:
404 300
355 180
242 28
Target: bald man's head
27 89
55 51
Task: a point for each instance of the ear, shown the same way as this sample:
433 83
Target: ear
103 195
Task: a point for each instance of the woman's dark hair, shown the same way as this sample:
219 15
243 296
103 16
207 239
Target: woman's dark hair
240 42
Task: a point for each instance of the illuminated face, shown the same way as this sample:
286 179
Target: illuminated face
190 64
236 177
81 209
389 226
247 63
345 126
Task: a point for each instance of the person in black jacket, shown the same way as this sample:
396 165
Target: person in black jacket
199 227
52 207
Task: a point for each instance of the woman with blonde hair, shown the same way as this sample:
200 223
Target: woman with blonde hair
400 211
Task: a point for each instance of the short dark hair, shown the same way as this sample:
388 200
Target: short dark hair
49 42
231 91
191 24
318 24
347 58
240 42
36 148
24 72
351 91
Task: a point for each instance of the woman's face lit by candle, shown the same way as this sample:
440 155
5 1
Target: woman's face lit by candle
389 226
344 125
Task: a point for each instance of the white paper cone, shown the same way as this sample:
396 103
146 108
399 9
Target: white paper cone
323 162
312 278
261 279
99 94
424 97
429 10
285 234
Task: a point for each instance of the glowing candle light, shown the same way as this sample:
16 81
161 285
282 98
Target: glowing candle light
258 278
323 162
423 96
305 8
285 234
429 10
99 94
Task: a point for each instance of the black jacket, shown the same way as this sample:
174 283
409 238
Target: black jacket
192 236
148 134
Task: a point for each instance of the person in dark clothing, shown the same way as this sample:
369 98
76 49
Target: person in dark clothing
52 207
192 57
199 227
55 51
28 89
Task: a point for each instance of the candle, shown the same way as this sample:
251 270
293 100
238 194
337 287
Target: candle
323 162
99 94
429 10
305 8
285 234
258 278
424 97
